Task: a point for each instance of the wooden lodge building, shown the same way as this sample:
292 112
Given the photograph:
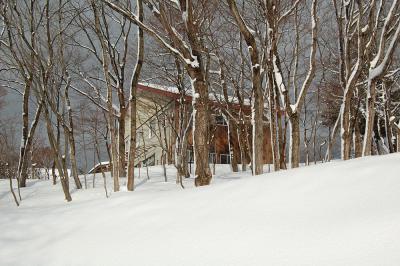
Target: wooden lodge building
157 125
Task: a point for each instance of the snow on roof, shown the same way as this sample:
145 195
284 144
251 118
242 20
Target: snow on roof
172 89
99 164
216 97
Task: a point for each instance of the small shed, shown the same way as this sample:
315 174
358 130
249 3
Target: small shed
100 167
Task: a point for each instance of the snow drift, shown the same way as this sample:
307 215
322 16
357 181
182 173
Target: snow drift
341 213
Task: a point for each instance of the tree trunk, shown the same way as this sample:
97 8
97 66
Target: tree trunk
398 139
345 129
257 107
22 166
132 141
201 132
331 139
121 143
243 141
26 148
294 149
145 155
178 163
72 155
163 162
184 155
234 145
84 153
110 107
71 138
357 140
12 188
282 142
58 161
258 130
388 115
57 141
96 147
53 172
388 130
65 170
132 100
272 124
281 132
369 123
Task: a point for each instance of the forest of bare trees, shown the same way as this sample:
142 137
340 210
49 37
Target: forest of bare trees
321 76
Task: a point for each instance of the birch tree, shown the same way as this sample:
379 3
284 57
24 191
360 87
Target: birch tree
292 108
132 99
378 66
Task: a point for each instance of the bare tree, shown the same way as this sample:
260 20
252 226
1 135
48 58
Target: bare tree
293 109
132 100
257 91
190 52
378 66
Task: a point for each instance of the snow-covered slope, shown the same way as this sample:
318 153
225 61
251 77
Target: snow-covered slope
341 213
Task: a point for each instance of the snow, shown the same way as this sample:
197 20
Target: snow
378 70
339 213
365 28
185 16
193 62
172 89
105 163
212 95
278 76
176 2
293 107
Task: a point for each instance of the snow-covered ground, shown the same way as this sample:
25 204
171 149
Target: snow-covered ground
341 213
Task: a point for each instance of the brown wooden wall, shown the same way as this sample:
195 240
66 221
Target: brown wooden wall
220 142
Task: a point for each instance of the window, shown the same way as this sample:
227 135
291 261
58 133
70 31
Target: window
127 149
150 161
220 120
190 156
152 128
225 158
139 138
212 157
127 145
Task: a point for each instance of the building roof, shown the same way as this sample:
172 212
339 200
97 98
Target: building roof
100 164
173 93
